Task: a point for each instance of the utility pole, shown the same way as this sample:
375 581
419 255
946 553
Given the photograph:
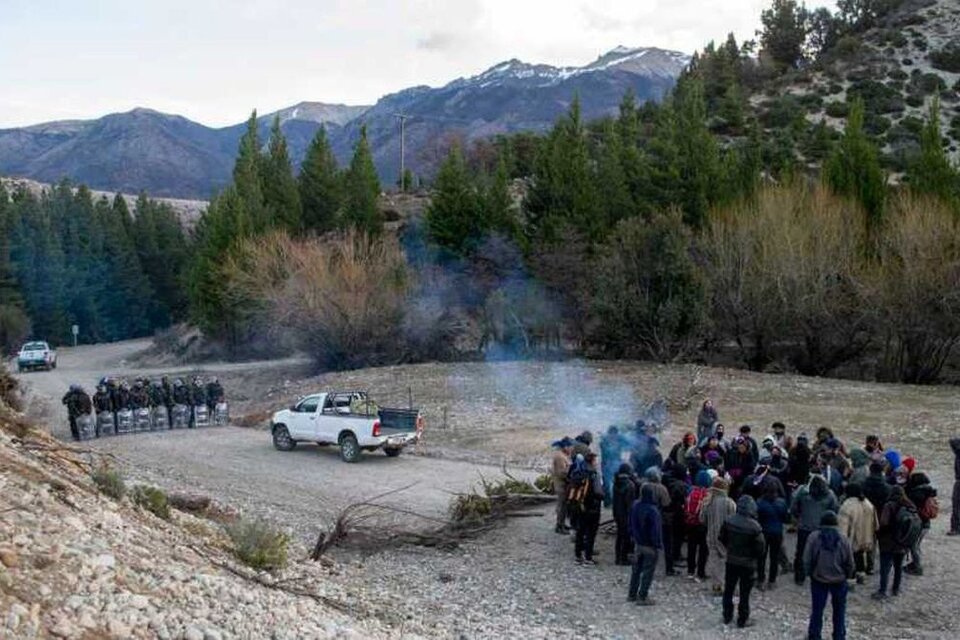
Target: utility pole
403 120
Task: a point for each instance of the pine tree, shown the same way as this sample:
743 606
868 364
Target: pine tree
320 185
14 323
564 189
455 216
279 186
247 176
784 32
617 199
497 204
130 298
931 172
853 168
698 155
362 190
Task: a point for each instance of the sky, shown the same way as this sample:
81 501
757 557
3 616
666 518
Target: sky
215 60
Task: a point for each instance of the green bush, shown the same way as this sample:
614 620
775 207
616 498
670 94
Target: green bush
258 545
838 109
152 499
544 483
109 482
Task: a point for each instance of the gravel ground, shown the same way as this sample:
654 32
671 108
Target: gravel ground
520 581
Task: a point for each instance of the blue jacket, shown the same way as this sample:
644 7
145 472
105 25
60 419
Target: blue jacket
646 524
772 514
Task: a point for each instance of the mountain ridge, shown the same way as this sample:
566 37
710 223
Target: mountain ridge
169 155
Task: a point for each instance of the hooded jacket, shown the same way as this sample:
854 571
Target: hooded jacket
918 490
646 524
626 489
858 522
811 502
742 536
828 556
876 489
772 514
888 522
714 511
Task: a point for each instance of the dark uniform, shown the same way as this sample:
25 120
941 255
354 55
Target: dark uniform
214 394
78 404
102 400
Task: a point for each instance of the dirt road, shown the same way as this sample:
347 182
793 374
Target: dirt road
301 489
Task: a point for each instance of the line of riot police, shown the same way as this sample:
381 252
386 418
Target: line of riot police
118 407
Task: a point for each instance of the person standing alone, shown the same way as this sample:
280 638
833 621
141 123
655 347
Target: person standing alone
646 529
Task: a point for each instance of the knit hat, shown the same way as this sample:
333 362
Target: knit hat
893 457
713 474
653 474
829 519
909 463
703 478
833 443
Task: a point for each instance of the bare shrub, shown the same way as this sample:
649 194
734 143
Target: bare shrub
788 278
342 297
152 499
918 289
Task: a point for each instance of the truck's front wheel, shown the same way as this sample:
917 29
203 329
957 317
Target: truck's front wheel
282 440
349 448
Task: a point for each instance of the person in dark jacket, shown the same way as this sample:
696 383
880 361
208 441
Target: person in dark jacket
696 531
589 521
955 512
214 393
876 489
801 457
78 404
646 529
675 480
742 538
828 560
745 431
808 506
740 463
626 489
771 513
582 443
892 551
101 400
919 490
706 420
757 483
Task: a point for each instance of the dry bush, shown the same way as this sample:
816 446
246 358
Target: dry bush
342 298
788 278
918 289
9 390
109 481
258 545
152 499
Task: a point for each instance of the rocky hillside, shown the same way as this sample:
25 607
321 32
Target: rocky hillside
77 564
170 156
897 68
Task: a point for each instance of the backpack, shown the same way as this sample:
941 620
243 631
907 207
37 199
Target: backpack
930 508
691 511
907 527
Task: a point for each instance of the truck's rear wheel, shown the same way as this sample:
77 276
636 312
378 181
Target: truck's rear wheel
282 440
349 448
393 453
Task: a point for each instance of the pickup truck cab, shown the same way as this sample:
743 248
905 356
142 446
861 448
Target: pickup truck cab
348 419
36 355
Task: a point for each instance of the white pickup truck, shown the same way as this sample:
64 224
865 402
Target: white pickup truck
347 419
36 355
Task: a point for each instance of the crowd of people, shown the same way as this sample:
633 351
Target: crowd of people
114 396
857 511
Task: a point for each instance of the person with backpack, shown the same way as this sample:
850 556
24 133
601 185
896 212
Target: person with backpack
696 531
588 488
900 526
714 511
626 490
923 495
858 523
955 501
808 506
742 538
828 560
646 530
771 513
